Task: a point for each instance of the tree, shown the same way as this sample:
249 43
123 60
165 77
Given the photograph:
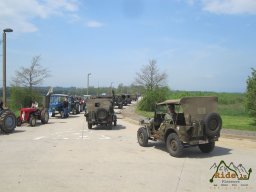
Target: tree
251 93
31 76
150 77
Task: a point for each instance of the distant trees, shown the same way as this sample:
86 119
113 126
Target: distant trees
31 76
154 82
150 77
251 94
22 91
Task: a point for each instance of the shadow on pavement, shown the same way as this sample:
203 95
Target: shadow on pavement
103 127
194 152
14 132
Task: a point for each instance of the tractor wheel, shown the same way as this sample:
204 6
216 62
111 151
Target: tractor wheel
7 121
32 121
174 145
142 137
44 116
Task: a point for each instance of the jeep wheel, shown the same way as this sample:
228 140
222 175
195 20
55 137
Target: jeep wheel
174 145
44 116
213 124
89 125
207 148
32 121
7 121
142 137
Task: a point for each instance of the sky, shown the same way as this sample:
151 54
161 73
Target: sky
202 45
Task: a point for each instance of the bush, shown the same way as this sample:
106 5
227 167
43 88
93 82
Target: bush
151 97
23 97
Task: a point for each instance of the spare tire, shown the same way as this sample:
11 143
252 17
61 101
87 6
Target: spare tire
102 114
213 124
7 121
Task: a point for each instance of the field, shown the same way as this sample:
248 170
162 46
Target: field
230 106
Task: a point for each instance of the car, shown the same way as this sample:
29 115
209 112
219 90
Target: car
196 123
100 111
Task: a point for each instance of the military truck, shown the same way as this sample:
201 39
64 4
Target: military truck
100 111
196 123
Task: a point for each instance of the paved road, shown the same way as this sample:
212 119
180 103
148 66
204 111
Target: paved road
64 156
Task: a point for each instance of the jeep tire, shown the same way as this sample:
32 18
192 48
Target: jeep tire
142 137
7 121
207 148
213 124
89 125
174 145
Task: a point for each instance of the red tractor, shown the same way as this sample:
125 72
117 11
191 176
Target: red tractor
31 115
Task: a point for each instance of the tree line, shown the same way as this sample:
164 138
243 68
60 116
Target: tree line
149 81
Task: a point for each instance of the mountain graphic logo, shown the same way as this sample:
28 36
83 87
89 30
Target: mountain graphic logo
231 171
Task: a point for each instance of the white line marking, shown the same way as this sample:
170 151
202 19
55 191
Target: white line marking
38 138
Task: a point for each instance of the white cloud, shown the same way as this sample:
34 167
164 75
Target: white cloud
19 14
230 6
94 24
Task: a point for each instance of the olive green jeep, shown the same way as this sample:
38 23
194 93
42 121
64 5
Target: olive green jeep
195 123
100 111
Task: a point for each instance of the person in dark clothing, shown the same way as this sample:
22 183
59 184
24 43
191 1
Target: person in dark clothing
65 107
1 105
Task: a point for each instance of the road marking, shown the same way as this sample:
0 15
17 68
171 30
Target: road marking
38 138
104 137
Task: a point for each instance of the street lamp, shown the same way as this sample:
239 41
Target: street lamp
4 64
111 88
88 83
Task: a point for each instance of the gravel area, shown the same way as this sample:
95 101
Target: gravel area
129 114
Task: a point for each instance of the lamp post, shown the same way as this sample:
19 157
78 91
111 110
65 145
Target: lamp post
88 83
111 87
4 64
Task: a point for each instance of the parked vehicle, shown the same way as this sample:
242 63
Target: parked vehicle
100 111
31 115
196 123
7 120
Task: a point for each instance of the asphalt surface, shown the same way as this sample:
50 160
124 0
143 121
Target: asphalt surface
65 156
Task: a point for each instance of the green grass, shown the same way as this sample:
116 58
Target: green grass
238 122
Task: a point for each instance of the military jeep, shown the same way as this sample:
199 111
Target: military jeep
100 111
196 123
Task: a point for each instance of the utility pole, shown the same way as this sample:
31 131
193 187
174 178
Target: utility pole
4 65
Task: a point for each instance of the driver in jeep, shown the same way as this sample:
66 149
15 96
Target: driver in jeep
171 114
